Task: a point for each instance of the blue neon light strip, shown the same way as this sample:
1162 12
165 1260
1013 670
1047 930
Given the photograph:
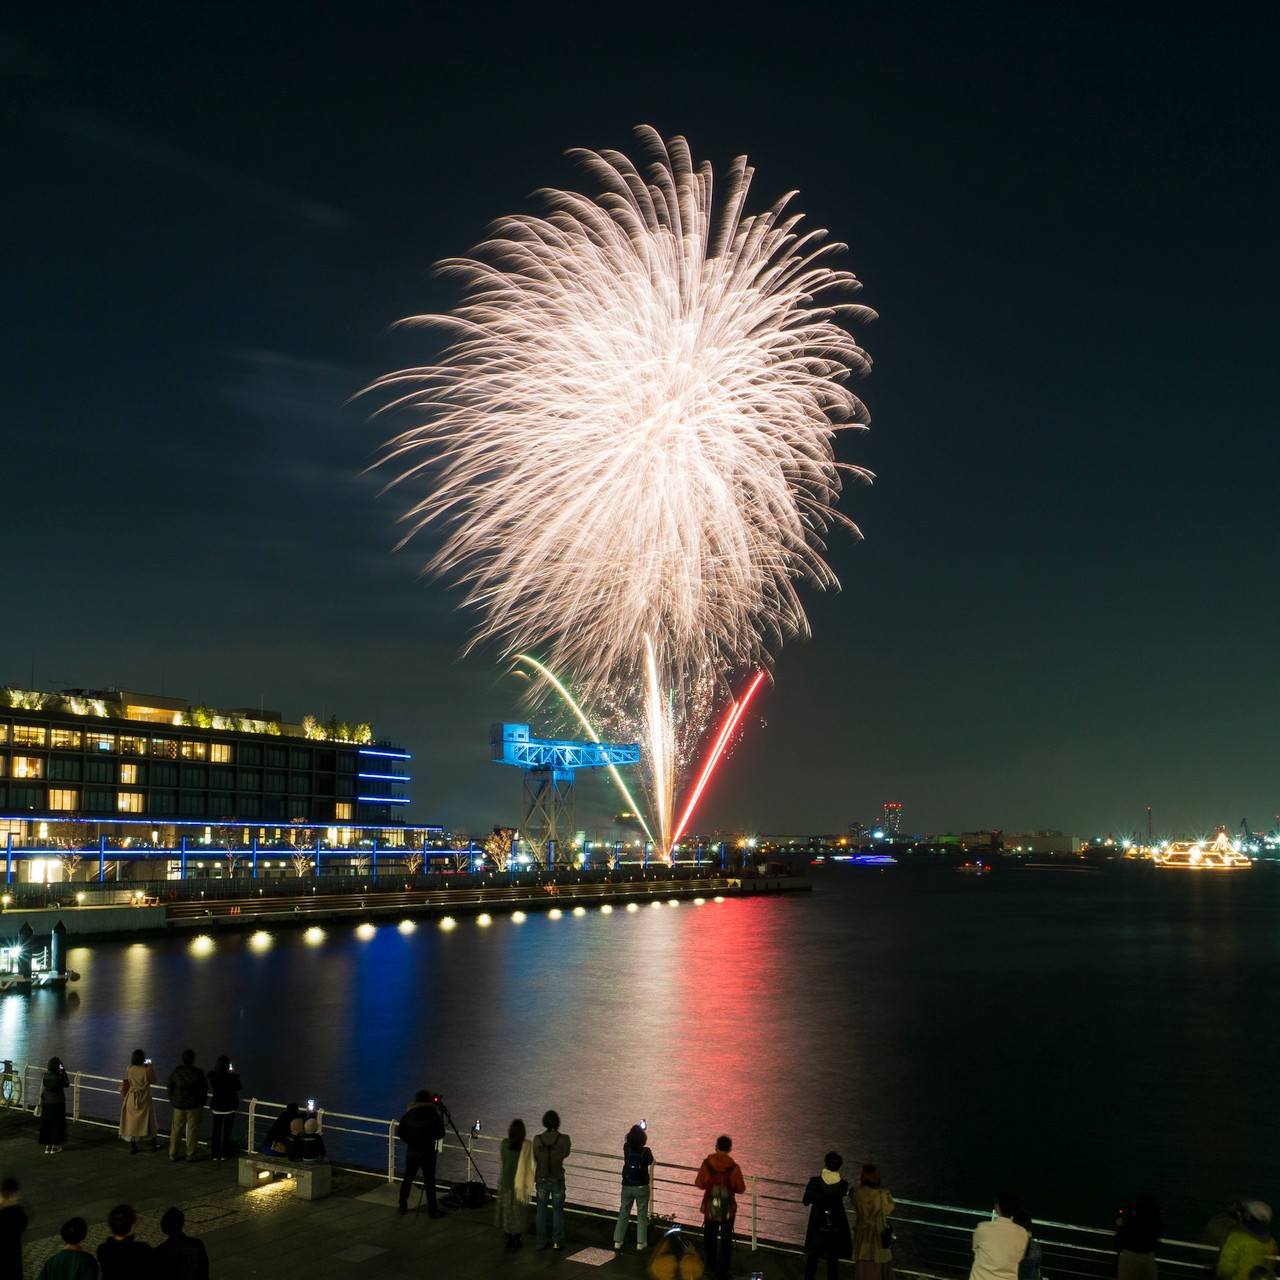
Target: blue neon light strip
386 777
388 755
383 799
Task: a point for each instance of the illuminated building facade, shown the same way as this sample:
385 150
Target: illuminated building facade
892 821
105 763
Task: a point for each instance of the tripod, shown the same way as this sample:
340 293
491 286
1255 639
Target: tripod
466 1147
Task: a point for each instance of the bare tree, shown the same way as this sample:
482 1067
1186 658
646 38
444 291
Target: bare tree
301 859
497 846
413 861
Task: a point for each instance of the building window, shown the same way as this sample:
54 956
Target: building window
26 797
28 767
129 774
97 801
273 807
220 805
128 801
4 735
277 757
275 782
299 784
346 786
298 809
192 804
250 753
224 778
130 746
100 741
342 811
250 806
250 780
99 770
164 748
63 799
164 775
67 739
220 752
195 750
65 769
28 735
164 802
195 775
299 758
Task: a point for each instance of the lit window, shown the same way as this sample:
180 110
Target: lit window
130 746
63 799
4 733
129 774
343 812
220 752
100 741
165 748
28 735
67 739
28 767
195 750
128 802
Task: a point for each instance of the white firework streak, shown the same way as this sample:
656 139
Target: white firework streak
632 433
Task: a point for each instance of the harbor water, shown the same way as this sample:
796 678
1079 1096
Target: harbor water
1078 1038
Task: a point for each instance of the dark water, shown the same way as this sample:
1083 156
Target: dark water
1076 1038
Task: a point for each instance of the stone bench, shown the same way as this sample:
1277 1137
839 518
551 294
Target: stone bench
313 1181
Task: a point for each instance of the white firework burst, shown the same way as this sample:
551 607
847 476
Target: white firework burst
629 439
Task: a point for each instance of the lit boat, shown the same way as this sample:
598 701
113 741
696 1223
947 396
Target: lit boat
1196 855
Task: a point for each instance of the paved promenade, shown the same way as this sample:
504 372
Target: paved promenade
269 1232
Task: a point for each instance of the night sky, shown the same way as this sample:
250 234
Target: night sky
1065 606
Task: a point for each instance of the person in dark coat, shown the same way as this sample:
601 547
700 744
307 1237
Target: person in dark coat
420 1128
180 1257
276 1143
828 1235
188 1092
224 1101
121 1257
53 1107
13 1222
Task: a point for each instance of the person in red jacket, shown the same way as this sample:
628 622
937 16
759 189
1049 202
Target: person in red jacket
720 1181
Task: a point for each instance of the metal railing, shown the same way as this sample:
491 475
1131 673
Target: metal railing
933 1240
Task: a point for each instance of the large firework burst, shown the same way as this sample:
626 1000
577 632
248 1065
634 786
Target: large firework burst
629 438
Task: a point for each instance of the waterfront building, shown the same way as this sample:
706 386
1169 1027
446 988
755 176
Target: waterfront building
892 822
1042 843
133 771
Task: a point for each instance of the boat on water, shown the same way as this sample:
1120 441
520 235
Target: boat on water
1199 855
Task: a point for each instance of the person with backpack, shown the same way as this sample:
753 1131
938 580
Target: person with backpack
550 1148
828 1235
720 1181
421 1129
637 1174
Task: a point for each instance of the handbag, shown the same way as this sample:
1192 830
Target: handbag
887 1237
124 1087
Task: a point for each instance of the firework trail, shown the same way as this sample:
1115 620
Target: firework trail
629 438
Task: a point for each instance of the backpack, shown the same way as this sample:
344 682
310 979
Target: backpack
719 1192
828 1219
635 1168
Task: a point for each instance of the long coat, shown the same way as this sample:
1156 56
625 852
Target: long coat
820 1195
137 1111
871 1206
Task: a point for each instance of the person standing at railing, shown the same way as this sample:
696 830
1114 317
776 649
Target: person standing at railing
999 1245
188 1092
13 1222
1138 1231
721 1182
637 1180
827 1235
53 1107
515 1185
138 1111
224 1101
421 1129
1250 1245
550 1149
872 1234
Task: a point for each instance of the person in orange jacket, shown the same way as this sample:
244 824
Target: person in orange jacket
720 1181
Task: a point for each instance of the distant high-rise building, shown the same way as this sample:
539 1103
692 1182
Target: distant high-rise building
892 818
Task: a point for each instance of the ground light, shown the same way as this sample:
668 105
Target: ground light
365 931
484 919
673 902
314 935
406 926
579 911
607 909
202 945
656 906
631 906
518 917
260 941
448 923
555 913
699 902
717 898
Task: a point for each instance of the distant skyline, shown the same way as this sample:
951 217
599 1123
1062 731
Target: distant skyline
1063 607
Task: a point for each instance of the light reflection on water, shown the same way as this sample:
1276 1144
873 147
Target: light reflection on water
1065 1036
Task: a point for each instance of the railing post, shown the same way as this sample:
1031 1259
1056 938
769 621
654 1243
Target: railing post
182 874
754 1207
9 869
255 857
75 1096
391 1150
102 859
250 1145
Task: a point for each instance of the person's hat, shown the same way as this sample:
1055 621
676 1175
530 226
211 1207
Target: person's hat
1258 1211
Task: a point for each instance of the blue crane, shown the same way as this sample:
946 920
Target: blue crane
549 765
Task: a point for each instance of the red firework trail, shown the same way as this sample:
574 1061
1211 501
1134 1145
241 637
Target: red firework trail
731 720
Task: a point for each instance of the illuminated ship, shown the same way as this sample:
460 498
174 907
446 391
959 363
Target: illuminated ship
1196 855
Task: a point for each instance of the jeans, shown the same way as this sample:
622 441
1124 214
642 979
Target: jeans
554 1192
639 1196
718 1241
418 1159
221 1140
186 1122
